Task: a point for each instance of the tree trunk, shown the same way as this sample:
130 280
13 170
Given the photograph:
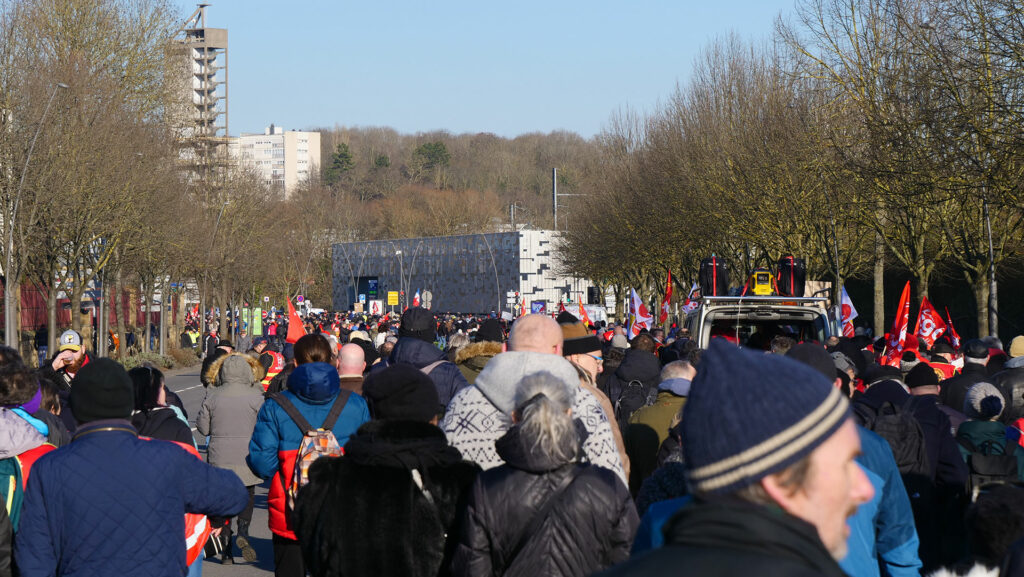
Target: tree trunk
222 296
51 318
147 315
980 288
879 316
119 315
993 310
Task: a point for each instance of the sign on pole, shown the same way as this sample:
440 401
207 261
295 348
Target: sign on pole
376 307
299 298
392 298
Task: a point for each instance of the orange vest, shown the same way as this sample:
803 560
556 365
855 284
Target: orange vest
276 367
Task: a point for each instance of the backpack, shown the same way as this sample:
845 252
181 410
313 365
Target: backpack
12 491
899 427
316 443
632 397
989 464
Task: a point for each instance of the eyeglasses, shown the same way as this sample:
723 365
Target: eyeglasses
600 360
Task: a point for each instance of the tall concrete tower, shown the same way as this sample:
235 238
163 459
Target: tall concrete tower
205 131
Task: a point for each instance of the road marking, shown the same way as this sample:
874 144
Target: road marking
188 389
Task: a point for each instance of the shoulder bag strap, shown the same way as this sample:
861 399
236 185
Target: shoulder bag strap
292 411
538 517
339 404
429 368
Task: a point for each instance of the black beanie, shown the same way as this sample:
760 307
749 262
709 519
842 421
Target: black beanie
922 375
490 330
401 391
102 390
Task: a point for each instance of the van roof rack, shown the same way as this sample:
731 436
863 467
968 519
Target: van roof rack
764 299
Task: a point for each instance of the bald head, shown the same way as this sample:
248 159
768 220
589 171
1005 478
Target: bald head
536 333
351 360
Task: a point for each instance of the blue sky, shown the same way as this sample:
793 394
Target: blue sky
502 67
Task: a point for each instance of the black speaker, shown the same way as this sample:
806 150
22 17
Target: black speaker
593 296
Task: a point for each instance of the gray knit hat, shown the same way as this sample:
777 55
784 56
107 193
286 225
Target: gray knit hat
984 402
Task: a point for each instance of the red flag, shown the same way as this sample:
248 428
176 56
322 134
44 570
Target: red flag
561 306
584 317
295 329
665 301
929 324
954 338
898 336
416 299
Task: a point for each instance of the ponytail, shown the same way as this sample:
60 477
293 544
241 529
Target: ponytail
542 406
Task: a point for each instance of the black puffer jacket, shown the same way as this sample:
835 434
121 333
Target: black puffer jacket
1010 382
589 528
389 526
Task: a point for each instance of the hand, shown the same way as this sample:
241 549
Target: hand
63 359
216 532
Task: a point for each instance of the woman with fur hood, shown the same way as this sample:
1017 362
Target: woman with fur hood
228 416
472 358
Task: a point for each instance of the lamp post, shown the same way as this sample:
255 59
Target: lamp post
206 274
11 280
401 280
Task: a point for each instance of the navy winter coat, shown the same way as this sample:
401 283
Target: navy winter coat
447 377
113 504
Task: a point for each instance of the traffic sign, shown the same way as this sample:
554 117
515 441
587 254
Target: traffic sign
299 298
392 298
266 299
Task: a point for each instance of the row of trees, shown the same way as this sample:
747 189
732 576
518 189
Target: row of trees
890 129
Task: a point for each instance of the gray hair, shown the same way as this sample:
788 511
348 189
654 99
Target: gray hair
676 370
457 341
542 408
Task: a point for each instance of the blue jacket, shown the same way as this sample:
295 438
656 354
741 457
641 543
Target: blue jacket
881 532
110 503
446 377
312 388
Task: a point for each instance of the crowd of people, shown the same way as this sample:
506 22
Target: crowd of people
472 446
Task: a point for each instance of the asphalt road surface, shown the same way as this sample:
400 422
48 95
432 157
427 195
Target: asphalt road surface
186 383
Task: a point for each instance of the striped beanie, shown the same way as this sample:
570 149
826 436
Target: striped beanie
750 415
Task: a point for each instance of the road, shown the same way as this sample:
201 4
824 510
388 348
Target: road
185 382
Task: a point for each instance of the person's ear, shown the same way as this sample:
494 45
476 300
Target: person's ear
783 496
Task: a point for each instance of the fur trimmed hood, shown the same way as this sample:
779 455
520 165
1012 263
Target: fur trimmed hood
213 373
480 349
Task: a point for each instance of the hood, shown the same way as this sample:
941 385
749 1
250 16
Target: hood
1014 363
149 421
235 369
520 453
639 366
415 352
978 432
314 383
678 387
498 380
885 391
486 349
17 435
401 444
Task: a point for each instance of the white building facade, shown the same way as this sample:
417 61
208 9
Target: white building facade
283 158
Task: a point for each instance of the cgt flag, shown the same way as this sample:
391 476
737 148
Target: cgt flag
929 324
665 301
639 318
894 347
585 317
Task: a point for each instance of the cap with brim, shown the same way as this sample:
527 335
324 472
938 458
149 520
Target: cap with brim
70 340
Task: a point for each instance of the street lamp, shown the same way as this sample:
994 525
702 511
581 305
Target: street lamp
11 280
206 273
401 279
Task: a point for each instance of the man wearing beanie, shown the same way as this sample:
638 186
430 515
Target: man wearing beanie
773 475
116 500
487 342
983 433
398 485
953 391
635 383
416 335
1010 382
